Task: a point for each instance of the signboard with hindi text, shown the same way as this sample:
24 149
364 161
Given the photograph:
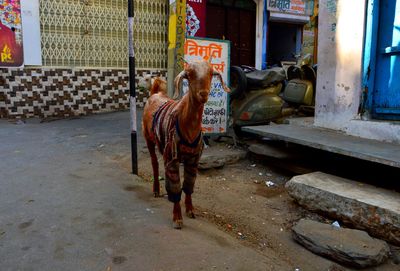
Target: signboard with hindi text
301 7
215 116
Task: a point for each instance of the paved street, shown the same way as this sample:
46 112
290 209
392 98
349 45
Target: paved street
65 204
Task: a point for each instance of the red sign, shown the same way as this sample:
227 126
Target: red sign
11 52
196 18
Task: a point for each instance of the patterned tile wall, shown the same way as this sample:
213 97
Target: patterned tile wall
48 92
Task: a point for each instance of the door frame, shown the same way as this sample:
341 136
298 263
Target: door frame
259 33
369 62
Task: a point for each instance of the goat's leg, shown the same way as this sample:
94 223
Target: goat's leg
190 167
177 216
154 164
189 206
173 186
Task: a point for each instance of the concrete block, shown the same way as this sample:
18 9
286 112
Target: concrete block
363 206
215 157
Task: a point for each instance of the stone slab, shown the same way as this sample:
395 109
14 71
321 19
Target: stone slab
347 246
218 156
332 141
363 206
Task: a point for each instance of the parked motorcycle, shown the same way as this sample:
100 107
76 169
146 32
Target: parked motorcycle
261 96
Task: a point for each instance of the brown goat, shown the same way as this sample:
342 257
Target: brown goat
175 127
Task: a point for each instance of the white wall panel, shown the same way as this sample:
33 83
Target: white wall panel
31 32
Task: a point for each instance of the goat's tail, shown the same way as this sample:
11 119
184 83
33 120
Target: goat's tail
158 86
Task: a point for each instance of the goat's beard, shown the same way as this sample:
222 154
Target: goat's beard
203 100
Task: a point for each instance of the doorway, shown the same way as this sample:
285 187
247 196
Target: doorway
235 21
284 42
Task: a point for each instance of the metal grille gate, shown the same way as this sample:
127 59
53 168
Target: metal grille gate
93 33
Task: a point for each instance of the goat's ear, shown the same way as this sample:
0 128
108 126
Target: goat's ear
178 81
226 89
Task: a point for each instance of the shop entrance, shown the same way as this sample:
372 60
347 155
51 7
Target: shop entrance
234 20
284 42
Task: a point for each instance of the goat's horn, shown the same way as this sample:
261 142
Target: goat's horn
226 89
178 81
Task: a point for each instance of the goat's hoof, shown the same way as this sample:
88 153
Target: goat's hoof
177 224
190 214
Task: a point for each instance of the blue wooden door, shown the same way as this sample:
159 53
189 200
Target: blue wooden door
386 95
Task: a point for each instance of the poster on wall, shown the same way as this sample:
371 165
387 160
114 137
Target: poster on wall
215 116
310 33
11 50
308 42
196 18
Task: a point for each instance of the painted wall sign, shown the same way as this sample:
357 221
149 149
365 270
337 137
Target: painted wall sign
301 7
215 116
176 40
331 7
196 18
11 50
180 34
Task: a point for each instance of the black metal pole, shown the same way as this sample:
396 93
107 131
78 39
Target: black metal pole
132 89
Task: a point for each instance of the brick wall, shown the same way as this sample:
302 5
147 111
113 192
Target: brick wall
49 92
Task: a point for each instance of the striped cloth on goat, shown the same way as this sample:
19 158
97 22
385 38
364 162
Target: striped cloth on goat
176 149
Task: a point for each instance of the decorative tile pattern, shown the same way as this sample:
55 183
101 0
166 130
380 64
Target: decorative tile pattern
49 92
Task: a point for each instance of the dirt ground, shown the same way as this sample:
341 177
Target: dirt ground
238 199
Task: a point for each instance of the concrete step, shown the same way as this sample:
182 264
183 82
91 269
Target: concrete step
280 157
332 141
362 206
272 151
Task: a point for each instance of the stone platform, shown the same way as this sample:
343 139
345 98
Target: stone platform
332 141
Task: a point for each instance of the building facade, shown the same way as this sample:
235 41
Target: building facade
358 85
80 65
264 32
76 59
